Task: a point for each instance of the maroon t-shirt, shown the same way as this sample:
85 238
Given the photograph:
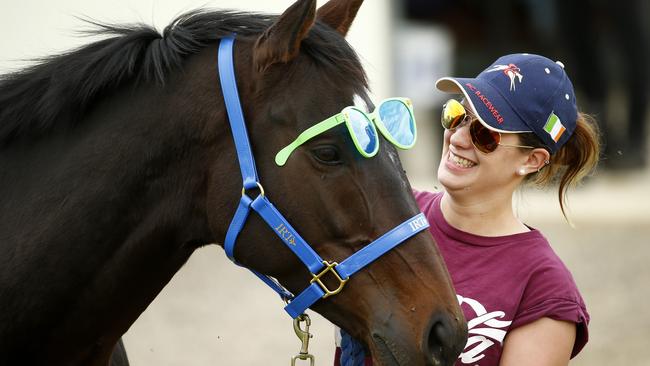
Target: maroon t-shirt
502 283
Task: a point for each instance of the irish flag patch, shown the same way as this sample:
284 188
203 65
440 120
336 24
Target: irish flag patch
554 127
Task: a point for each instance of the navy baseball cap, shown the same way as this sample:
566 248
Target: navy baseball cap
521 93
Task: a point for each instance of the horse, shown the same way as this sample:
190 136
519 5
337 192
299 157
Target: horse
117 163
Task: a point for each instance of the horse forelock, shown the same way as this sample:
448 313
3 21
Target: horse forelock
57 91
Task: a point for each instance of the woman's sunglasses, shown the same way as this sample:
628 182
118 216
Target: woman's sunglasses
484 139
393 117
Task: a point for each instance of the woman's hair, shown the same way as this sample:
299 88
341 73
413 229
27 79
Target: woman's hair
576 159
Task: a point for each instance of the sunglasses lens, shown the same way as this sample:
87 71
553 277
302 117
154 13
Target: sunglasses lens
398 121
364 131
453 114
483 138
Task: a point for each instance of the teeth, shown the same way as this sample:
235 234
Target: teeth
461 161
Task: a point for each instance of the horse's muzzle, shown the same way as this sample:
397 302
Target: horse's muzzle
442 342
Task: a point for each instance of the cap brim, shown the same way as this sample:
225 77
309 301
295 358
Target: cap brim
458 86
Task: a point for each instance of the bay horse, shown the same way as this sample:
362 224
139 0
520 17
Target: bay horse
117 162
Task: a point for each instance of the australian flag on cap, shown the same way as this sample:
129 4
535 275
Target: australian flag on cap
522 93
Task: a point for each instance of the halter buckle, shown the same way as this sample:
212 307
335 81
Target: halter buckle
329 267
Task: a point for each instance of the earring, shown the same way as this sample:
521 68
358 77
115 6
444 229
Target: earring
521 171
546 162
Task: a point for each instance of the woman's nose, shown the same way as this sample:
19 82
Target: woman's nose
460 137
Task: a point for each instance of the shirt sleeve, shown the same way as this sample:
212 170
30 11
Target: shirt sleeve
551 292
559 309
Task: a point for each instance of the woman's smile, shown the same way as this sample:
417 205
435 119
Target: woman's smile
460 161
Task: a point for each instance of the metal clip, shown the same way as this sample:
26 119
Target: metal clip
304 336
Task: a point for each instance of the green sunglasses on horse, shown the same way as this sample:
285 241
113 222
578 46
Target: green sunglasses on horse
454 115
393 117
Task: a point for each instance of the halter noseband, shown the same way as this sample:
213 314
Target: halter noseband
260 204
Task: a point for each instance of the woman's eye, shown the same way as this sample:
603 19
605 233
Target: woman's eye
326 155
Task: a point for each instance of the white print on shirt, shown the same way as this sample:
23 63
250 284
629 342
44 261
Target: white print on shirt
481 338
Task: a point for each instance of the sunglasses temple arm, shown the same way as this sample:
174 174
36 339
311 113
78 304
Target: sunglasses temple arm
283 155
522 146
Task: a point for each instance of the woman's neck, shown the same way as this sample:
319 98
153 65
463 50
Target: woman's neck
491 216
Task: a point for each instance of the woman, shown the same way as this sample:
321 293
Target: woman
518 122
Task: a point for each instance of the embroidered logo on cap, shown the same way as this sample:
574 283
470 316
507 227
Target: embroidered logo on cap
554 127
488 104
511 71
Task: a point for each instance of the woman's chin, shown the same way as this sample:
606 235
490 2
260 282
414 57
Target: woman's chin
456 178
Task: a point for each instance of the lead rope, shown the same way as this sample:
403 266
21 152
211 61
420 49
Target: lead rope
352 353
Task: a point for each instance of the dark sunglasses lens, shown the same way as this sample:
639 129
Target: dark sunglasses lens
483 138
397 119
364 131
453 114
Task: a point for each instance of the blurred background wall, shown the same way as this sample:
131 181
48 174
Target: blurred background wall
215 313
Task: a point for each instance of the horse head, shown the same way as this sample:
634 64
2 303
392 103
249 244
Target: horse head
301 71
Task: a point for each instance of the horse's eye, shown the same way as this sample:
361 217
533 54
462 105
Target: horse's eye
326 155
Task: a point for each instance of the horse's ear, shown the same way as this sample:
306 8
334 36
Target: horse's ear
281 41
339 14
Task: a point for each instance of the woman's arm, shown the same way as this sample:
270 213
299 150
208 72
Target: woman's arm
544 342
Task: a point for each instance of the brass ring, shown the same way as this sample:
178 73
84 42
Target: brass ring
259 186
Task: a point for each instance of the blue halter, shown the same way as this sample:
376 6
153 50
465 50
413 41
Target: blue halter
260 204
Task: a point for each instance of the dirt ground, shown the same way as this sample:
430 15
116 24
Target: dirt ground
215 313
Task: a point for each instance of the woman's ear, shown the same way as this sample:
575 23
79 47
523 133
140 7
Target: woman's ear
538 158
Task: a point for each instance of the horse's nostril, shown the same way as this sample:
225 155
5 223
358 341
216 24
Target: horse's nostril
435 341
444 341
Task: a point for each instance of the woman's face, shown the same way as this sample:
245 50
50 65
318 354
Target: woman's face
465 169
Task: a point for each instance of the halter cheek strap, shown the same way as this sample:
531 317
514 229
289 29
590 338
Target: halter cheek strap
274 219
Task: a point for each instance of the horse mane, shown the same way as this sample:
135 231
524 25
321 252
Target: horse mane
56 92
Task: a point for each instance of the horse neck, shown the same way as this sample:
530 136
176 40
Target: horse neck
105 214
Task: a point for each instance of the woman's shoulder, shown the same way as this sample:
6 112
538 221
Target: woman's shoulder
546 265
551 291
547 273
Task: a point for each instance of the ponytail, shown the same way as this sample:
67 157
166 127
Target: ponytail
576 159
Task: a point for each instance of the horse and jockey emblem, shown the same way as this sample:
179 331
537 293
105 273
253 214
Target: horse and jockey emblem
511 71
